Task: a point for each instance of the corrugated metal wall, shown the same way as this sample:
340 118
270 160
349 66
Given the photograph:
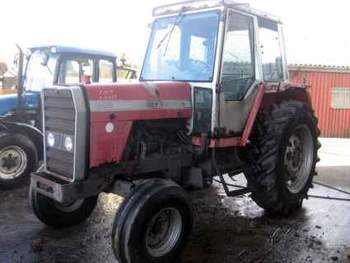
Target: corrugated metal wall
332 122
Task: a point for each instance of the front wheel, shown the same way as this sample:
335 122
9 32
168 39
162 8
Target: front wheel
18 158
60 215
152 224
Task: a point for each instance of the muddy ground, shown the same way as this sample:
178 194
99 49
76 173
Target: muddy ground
225 229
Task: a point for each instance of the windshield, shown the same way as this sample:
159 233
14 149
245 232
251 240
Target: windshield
182 48
39 74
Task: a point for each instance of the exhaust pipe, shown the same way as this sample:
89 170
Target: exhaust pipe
20 82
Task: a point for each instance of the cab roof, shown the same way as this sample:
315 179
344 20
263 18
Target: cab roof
193 5
73 50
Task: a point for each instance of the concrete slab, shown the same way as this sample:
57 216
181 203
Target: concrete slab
225 230
334 166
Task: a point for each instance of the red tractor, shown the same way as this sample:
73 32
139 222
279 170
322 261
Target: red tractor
213 99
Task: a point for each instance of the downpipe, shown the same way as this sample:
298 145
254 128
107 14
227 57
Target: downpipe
19 109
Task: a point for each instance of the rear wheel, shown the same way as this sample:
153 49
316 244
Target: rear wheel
59 215
152 224
285 154
18 158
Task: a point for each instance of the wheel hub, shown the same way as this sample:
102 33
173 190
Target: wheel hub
10 161
163 232
13 161
298 158
294 154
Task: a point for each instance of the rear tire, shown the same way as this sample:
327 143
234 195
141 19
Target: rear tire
59 215
18 158
285 146
152 224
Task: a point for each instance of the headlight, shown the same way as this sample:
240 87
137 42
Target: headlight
68 143
51 139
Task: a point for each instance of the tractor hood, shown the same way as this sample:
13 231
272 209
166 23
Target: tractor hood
8 103
114 108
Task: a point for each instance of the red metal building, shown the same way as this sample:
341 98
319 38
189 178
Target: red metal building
330 93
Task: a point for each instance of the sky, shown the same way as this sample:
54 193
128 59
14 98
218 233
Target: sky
316 32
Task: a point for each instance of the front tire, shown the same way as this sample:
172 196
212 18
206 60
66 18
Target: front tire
60 215
152 224
285 146
18 158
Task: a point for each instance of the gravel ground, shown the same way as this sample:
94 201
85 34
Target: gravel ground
225 229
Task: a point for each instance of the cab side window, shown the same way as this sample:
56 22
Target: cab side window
76 71
271 52
106 73
70 72
238 72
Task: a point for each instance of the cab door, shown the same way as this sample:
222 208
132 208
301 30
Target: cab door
239 74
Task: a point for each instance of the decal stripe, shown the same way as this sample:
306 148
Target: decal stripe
135 105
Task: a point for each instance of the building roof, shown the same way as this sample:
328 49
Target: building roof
75 50
323 68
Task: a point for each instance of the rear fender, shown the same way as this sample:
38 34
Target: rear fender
268 95
293 93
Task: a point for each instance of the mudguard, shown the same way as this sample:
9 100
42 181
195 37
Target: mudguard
34 134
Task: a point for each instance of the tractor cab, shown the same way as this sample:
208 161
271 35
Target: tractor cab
58 65
68 66
224 50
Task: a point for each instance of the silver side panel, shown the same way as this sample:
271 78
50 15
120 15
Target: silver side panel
138 105
80 147
217 75
234 114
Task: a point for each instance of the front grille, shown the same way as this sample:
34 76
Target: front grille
59 119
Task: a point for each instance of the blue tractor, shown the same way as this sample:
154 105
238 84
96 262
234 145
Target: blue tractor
21 147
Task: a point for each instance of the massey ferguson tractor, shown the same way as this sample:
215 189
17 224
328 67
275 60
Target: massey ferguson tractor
213 100
21 147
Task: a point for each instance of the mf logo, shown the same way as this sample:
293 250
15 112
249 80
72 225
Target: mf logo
107 94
